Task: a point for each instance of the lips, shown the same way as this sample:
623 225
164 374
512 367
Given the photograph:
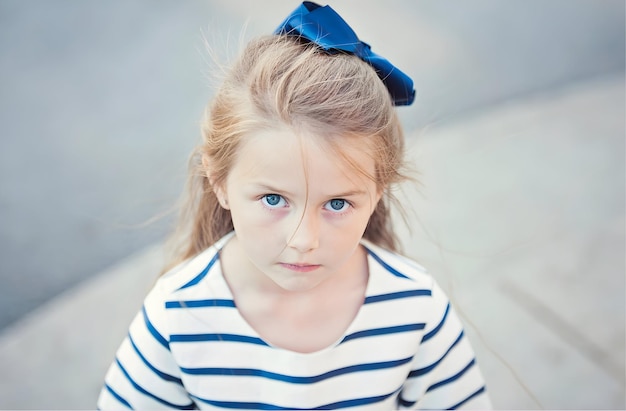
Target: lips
300 267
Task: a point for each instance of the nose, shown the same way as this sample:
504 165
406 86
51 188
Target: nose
305 237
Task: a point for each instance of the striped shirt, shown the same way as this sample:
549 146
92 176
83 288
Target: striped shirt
189 347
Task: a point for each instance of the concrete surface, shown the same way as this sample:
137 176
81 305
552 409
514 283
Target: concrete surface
520 215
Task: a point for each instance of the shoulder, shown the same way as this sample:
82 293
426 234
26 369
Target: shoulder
397 267
182 281
402 284
188 272
192 271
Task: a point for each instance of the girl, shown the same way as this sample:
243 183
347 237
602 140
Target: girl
289 293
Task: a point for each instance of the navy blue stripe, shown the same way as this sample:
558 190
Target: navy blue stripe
149 394
202 273
425 370
161 374
355 402
243 405
453 378
117 396
397 295
200 303
153 330
263 406
435 330
405 403
385 265
477 393
182 338
232 372
385 330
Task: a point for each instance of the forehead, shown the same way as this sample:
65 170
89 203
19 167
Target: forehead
282 153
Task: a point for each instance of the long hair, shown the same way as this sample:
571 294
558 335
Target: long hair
281 79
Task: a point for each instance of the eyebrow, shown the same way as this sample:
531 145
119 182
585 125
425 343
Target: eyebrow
351 193
270 189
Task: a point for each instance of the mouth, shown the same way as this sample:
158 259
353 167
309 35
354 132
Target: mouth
300 267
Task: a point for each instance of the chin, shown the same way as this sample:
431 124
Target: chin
297 285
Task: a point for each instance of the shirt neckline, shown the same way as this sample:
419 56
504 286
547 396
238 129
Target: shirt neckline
253 332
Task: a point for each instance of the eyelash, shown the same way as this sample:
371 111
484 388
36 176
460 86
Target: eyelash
343 209
275 206
347 205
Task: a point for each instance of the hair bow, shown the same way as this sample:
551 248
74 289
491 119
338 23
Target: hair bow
324 27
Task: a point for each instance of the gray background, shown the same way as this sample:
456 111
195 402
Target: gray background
518 134
100 104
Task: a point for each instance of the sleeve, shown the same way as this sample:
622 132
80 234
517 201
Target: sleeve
444 373
144 374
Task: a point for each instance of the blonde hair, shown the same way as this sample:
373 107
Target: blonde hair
283 79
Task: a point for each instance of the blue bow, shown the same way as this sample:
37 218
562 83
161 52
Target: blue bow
324 27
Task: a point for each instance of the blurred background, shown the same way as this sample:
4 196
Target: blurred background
517 132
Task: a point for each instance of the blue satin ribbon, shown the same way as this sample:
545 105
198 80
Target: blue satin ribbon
324 27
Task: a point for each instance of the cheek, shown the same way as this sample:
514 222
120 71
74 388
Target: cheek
251 216
348 229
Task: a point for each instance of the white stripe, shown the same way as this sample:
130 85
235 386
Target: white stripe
307 382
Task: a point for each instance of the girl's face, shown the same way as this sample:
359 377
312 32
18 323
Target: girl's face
298 209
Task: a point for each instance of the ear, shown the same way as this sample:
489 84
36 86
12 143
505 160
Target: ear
379 194
220 193
218 188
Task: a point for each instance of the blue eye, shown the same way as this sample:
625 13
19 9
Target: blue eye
273 200
337 205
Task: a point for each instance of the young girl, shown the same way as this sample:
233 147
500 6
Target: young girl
289 293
